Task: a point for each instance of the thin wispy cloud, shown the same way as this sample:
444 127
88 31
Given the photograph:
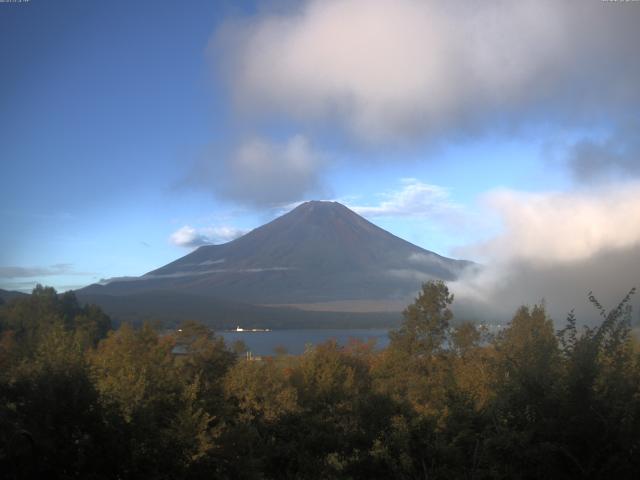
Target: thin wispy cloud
413 199
28 272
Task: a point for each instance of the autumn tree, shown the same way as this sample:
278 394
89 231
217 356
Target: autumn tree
147 402
426 321
528 374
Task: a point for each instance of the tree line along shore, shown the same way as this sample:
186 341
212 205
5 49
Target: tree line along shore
445 400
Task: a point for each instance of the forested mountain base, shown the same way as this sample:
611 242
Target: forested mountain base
80 400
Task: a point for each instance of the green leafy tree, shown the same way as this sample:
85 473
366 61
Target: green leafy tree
49 409
601 410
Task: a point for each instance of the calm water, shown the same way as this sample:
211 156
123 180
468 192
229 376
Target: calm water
264 343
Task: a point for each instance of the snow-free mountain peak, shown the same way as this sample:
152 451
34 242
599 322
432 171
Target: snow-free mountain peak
318 252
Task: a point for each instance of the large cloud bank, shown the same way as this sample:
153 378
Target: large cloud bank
561 227
557 247
399 69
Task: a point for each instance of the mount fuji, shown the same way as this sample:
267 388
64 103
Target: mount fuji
320 257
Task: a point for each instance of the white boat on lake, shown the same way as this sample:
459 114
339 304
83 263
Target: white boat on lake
240 329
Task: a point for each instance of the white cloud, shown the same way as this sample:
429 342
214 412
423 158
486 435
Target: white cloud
188 237
414 199
557 247
191 237
556 227
223 234
389 69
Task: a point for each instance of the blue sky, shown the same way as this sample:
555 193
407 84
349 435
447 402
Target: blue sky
132 131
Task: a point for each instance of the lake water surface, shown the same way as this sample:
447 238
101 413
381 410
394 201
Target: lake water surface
295 340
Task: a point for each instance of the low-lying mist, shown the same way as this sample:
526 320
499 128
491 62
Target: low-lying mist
555 248
493 293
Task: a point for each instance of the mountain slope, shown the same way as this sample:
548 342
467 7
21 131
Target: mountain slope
171 308
7 295
318 252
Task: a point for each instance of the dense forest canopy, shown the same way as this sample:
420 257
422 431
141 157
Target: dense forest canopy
79 399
